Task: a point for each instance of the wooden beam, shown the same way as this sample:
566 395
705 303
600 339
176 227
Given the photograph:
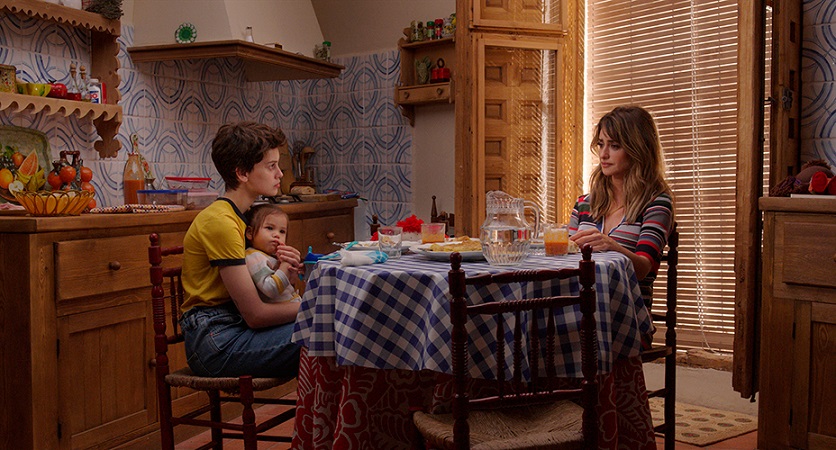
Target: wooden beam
749 182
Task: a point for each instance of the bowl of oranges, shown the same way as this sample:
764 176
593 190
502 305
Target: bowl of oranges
54 203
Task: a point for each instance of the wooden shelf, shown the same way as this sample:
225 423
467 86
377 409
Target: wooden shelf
62 14
107 118
261 63
104 65
410 94
427 44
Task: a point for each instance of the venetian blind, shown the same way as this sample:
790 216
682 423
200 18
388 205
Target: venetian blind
677 58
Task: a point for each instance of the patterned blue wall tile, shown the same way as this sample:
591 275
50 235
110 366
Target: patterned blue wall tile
177 106
818 53
818 12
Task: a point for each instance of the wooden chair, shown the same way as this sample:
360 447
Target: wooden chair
534 414
667 349
166 298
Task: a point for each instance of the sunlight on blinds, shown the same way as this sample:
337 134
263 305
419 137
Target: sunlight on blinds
677 58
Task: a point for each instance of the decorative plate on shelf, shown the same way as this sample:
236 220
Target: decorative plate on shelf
24 141
186 33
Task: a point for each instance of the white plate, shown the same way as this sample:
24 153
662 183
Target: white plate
423 249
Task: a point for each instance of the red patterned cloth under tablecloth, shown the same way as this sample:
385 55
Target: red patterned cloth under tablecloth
352 407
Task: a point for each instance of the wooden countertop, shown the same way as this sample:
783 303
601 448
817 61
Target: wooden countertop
824 205
30 224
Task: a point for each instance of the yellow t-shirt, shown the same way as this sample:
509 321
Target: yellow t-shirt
215 239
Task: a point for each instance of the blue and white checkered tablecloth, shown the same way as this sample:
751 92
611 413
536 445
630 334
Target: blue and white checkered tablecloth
396 315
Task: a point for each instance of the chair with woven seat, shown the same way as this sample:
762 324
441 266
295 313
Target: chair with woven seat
166 298
666 350
520 414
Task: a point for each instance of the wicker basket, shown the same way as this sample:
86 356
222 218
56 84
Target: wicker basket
54 203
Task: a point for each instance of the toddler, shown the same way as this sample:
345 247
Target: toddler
266 231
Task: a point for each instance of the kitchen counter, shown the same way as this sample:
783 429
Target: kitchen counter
76 369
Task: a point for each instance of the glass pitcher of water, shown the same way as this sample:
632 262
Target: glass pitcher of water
506 236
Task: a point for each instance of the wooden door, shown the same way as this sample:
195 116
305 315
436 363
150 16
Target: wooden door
106 386
517 128
519 105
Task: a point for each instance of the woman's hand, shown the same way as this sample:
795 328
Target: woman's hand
290 261
600 242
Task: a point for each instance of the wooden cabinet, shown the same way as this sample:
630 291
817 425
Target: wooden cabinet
798 322
104 65
319 225
409 93
76 367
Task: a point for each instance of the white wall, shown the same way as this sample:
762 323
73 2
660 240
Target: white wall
291 23
364 26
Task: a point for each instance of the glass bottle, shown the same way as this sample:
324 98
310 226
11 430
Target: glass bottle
133 178
83 86
73 93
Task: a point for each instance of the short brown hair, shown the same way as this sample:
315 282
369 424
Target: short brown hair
240 146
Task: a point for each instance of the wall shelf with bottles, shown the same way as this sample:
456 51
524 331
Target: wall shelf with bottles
410 93
103 65
261 63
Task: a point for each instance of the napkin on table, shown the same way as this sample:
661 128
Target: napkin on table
361 258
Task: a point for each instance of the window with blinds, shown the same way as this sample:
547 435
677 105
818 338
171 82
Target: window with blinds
677 58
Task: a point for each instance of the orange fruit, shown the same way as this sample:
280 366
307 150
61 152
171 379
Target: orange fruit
92 203
17 158
6 178
67 174
29 165
54 180
85 186
86 173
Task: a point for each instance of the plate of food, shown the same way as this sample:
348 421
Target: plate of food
470 249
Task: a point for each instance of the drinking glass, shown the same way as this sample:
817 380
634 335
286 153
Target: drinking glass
556 239
432 232
389 240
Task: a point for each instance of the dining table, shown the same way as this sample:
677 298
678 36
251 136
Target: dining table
376 347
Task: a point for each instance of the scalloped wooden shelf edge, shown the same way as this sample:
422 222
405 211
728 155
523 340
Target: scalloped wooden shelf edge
107 118
261 63
62 14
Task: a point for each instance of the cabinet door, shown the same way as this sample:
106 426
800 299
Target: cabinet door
321 232
106 385
813 423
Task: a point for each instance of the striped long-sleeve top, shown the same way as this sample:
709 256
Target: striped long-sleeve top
272 284
646 237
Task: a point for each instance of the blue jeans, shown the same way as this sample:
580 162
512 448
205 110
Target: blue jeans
220 344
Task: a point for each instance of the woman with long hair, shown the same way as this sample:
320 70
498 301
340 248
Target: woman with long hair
629 208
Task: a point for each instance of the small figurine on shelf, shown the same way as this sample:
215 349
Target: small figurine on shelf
422 70
430 29
73 91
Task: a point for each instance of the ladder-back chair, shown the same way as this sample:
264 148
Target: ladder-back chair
666 350
533 413
167 298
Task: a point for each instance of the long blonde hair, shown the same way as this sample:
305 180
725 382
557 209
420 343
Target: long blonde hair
634 128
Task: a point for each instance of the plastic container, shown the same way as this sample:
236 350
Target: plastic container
95 91
200 199
162 196
189 183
